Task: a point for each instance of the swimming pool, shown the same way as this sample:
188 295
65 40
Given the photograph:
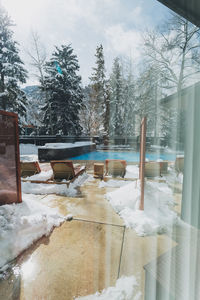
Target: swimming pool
128 156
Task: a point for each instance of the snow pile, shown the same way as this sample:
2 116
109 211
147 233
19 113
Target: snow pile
29 157
172 177
123 290
159 160
180 178
157 216
43 175
22 224
58 189
113 183
132 171
66 145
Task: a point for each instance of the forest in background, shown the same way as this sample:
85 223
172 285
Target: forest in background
111 105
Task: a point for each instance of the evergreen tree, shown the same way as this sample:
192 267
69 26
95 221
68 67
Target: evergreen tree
146 99
87 112
116 100
129 98
63 86
107 108
35 100
12 72
169 126
98 83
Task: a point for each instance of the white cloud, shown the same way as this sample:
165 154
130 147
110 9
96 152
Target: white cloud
124 41
136 12
82 23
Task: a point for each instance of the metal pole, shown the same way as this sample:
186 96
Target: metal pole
142 159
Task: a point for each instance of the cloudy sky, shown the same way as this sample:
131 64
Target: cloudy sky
117 24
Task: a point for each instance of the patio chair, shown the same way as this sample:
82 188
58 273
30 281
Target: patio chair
152 169
179 164
164 167
29 168
65 169
115 167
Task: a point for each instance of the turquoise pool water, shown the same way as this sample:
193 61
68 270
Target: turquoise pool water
128 156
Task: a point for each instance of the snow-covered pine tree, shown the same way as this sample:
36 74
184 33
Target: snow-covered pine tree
169 126
63 86
129 98
107 109
146 99
98 83
87 112
35 101
12 72
116 100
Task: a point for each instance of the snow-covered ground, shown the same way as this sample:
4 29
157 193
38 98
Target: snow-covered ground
172 177
58 189
123 290
113 183
157 216
132 172
29 157
22 224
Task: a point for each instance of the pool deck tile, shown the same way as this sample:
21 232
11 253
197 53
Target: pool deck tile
82 256
138 251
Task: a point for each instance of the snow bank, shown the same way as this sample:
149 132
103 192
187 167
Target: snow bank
29 157
58 189
43 175
132 171
66 145
157 216
22 224
123 290
180 178
113 183
172 177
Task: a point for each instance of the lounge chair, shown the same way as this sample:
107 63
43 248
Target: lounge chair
152 169
29 168
155 168
65 169
115 167
164 167
179 164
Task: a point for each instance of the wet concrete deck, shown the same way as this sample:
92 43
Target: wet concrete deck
83 256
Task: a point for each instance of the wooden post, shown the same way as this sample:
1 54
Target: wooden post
10 175
142 159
